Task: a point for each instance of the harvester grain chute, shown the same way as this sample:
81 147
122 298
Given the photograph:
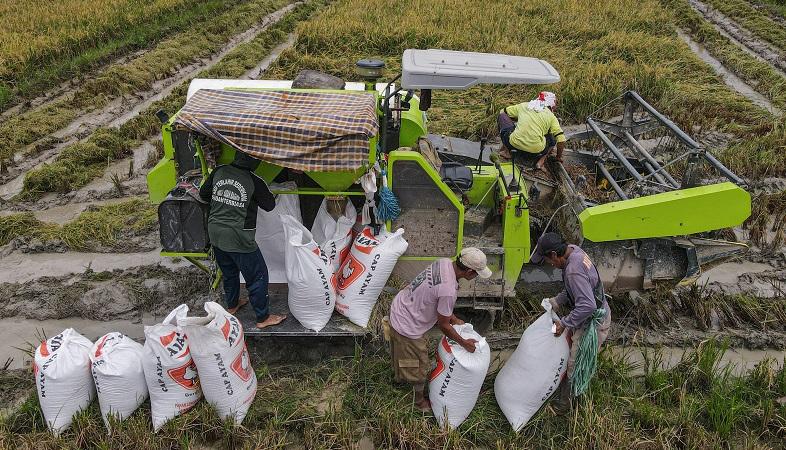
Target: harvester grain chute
452 195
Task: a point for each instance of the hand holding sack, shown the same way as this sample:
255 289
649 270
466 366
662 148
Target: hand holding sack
533 372
218 348
364 272
311 298
116 365
62 377
170 372
455 383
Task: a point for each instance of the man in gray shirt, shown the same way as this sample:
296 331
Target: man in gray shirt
582 295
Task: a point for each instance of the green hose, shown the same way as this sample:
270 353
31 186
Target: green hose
587 355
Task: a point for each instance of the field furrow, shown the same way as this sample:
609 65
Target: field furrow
744 38
119 125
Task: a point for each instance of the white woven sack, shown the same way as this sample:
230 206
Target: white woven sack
533 372
310 296
270 232
218 347
62 374
325 226
170 372
455 383
364 272
116 365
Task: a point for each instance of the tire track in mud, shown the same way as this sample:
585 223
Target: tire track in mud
105 188
731 80
124 108
742 37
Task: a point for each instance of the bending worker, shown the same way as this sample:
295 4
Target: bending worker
530 130
584 297
428 300
234 193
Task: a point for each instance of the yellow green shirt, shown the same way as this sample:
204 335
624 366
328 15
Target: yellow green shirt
532 128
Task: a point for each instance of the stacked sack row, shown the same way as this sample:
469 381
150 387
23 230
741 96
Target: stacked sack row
182 360
332 267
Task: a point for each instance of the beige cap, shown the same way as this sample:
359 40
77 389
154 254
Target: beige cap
475 259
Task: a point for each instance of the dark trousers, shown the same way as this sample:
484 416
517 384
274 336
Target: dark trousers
506 127
252 266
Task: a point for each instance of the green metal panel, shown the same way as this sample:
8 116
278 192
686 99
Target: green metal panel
515 231
162 177
413 124
407 155
676 213
483 182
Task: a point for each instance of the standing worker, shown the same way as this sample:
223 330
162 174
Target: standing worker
428 300
530 130
234 193
583 295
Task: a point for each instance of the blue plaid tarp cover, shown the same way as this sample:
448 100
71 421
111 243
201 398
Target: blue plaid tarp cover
314 131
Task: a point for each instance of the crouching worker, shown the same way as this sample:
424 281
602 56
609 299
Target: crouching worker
428 300
234 193
530 130
589 314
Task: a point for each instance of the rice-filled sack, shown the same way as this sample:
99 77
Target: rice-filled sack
170 371
364 272
61 367
218 348
455 383
270 231
310 296
334 236
116 365
533 372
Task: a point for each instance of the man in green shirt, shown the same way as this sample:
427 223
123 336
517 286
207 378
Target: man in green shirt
531 130
234 193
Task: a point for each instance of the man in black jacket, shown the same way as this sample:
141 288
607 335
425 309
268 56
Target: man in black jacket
234 193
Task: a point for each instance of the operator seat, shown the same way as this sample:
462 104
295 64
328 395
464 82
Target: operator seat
456 175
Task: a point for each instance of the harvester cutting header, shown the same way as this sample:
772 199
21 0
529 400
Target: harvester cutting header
633 193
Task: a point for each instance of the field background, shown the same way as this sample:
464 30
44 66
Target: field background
80 83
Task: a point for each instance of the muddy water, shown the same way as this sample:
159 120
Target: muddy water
23 267
728 77
16 333
740 360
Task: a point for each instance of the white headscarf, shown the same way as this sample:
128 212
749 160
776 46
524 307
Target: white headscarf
545 99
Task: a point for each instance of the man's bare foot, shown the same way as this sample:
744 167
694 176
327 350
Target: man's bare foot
273 319
236 308
423 405
504 153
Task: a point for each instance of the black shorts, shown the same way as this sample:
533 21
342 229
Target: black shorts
526 159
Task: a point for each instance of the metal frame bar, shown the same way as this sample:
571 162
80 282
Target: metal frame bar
613 148
611 179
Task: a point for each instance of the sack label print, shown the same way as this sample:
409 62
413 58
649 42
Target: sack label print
175 344
231 330
185 375
349 272
242 366
441 366
365 242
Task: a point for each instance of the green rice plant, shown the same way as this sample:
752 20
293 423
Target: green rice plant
80 163
71 49
203 39
725 407
753 20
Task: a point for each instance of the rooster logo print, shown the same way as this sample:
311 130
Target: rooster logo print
350 271
185 375
242 365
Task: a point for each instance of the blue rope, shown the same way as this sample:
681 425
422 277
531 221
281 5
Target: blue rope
388 208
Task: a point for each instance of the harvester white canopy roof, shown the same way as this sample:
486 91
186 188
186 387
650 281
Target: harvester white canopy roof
447 69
